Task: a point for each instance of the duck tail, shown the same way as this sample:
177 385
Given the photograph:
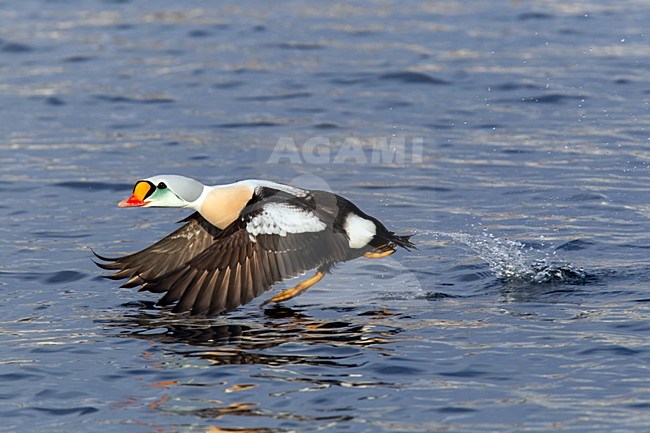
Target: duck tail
388 241
403 241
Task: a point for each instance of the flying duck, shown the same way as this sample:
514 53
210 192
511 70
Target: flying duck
243 238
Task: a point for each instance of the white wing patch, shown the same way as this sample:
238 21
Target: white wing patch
360 230
281 218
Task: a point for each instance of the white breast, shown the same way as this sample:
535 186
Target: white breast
360 230
281 218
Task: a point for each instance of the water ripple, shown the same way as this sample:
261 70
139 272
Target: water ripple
412 78
533 128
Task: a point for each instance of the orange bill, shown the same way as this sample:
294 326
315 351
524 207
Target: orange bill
140 192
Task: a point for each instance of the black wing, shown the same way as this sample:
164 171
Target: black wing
165 255
239 267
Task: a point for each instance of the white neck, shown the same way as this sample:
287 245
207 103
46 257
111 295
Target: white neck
196 204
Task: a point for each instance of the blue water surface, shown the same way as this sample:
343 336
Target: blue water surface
511 137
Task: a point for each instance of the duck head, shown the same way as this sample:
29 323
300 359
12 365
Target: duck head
164 191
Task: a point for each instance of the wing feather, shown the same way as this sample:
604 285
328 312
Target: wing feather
176 287
165 255
189 296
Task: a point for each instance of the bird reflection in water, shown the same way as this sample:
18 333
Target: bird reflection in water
238 340
254 338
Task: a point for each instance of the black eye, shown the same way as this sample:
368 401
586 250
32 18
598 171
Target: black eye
162 185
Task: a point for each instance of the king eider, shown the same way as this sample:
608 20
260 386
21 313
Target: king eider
243 238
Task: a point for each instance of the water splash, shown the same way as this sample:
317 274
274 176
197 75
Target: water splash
514 261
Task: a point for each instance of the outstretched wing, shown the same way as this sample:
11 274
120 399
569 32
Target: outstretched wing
165 255
271 241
